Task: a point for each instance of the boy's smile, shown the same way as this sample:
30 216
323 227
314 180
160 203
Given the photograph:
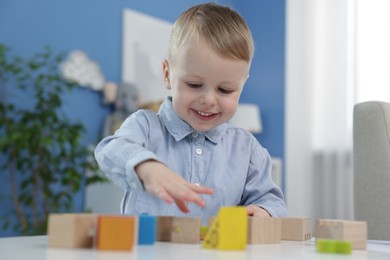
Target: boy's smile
204 115
205 86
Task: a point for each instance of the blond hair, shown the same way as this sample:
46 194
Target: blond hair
220 27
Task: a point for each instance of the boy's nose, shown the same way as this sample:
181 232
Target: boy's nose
208 99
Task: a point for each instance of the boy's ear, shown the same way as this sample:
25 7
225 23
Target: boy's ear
165 67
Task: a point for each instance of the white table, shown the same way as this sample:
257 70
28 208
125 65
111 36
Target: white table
31 248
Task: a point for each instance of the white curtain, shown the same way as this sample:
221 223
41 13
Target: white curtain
336 55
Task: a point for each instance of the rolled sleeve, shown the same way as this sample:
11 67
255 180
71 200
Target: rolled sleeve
118 155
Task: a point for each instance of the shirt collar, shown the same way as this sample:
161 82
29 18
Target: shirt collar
179 129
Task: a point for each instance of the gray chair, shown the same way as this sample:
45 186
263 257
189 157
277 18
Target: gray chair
371 155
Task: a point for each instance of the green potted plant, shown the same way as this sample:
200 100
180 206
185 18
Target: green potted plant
40 149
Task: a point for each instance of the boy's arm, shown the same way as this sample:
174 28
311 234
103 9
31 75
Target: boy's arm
257 211
260 191
118 154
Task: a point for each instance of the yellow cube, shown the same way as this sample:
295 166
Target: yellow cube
229 230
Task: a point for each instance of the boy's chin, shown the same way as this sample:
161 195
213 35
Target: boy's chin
202 128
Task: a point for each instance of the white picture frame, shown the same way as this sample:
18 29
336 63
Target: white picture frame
145 46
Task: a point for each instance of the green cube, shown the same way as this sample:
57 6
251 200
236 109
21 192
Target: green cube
333 246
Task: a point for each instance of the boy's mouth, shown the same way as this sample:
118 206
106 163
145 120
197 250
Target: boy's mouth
204 115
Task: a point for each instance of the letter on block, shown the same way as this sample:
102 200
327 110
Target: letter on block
346 230
147 230
229 229
296 229
71 230
117 232
178 229
264 230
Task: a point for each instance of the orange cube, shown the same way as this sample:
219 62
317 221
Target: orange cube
116 232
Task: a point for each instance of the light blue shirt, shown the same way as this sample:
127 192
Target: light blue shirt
227 159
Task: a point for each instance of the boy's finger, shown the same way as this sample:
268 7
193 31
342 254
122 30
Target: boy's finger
202 190
182 205
196 199
186 194
162 194
250 210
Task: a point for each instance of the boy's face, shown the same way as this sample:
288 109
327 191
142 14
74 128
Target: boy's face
205 86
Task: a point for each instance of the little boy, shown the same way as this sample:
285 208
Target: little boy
187 160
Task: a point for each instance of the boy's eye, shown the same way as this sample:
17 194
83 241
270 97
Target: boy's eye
224 91
194 85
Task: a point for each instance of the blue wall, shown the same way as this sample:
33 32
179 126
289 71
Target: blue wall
265 85
95 26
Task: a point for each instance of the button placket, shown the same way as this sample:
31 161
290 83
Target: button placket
198 140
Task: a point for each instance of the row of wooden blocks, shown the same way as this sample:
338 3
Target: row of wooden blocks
230 229
122 232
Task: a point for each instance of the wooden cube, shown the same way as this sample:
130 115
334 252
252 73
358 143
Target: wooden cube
203 232
264 230
178 229
204 229
331 246
71 230
117 232
298 229
147 230
164 228
347 230
229 230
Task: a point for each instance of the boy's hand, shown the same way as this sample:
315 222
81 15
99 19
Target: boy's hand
170 187
256 211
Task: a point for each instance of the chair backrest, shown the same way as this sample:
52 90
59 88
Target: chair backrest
371 156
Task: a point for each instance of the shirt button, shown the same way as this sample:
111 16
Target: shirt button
199 151
195 134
